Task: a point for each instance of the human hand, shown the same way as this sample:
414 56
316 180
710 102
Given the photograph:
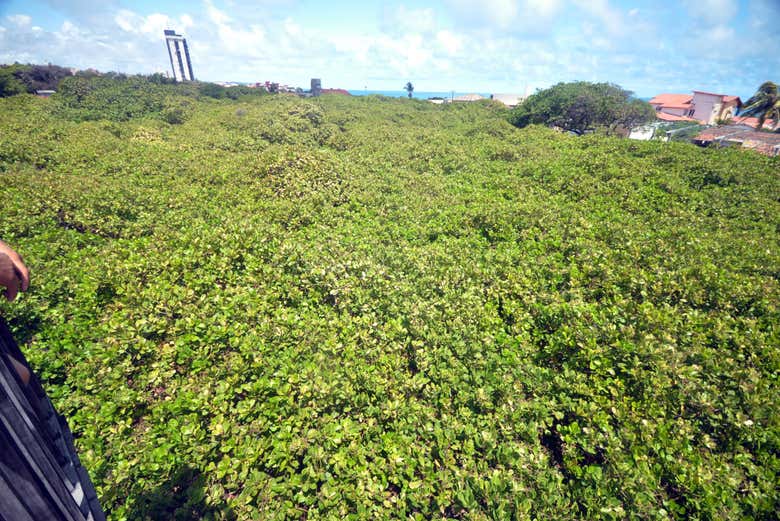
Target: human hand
14 275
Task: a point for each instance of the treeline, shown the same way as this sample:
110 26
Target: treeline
92 95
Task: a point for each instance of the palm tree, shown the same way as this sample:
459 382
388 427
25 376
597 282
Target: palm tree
765 104
409 88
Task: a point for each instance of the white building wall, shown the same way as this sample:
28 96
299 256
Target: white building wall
177 47
644 133
707 107
176 62
675 112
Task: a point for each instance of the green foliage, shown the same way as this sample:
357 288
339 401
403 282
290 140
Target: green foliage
10 84
764 104
176 109
358 308
119 97
115 98
581 106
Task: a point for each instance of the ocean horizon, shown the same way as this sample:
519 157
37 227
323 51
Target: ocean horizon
422 94
425 94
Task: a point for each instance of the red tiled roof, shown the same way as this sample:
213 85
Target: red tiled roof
667 100
336 91
752 122
663 116
724 97
762 142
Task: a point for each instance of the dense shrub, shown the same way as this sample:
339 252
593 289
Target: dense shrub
120 97
381 308
10 84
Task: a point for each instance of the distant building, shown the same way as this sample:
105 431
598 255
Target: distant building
316 86
468 97
704 107
510 100
742 136
44 93
769 124
644 132
179 54
343 92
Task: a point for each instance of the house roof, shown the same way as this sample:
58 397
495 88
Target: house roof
725 97
672 100
763 142
752 122
336 91
710 93
468 97
663 116
678 101
509 100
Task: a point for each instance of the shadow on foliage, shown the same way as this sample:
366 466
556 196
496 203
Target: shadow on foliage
25 326
180 498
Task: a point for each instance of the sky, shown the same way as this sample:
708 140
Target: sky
487 46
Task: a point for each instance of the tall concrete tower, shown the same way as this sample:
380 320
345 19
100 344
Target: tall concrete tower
179 54
316 86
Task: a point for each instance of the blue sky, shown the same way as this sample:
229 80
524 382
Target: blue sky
490 46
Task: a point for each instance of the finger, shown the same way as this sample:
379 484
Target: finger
7 272
12 290
22 272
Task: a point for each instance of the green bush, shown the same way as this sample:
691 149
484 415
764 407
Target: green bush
119 97
176 110
581 106
10 84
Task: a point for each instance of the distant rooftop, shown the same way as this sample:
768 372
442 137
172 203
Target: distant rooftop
762 142
752 122
663 116
468 97
510 100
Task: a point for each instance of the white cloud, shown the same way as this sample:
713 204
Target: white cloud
215 15
519 16
719 34
403 20
544 8
21 20
450 42
712 12
292 28
608 18
151 26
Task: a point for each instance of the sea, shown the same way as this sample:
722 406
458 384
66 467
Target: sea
425 94
419 94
